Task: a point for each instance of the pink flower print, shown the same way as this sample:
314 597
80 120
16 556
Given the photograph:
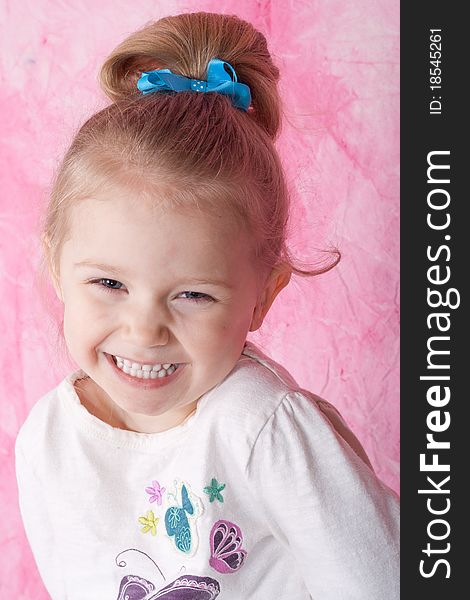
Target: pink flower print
156 492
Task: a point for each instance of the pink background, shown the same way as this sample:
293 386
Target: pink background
337 334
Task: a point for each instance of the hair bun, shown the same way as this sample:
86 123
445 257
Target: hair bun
185 44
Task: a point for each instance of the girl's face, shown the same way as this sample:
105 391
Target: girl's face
155 287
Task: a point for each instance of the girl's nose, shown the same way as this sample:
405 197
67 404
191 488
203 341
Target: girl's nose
147 328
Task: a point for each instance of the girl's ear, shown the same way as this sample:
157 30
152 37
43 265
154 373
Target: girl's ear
277 280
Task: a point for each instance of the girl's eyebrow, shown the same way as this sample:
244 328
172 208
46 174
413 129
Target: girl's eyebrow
102 266
116 271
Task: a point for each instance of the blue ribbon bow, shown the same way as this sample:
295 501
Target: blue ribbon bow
218 80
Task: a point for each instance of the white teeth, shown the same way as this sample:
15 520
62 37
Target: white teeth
145 371
137 366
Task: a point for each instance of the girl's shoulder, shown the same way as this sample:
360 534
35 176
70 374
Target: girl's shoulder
258 376
254 388
251 394
47 419
269 399
266 364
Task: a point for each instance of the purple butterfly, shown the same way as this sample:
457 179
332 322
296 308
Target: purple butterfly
227 554
186 587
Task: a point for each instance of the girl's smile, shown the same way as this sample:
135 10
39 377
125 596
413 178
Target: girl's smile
167 376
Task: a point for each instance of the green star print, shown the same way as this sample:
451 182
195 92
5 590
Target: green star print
214 490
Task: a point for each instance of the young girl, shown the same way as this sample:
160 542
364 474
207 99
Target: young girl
179 461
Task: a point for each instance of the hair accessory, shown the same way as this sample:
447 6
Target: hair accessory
218 80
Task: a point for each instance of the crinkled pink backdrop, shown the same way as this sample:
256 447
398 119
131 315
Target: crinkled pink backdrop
337 334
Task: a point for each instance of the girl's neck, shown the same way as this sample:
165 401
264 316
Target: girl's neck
97 403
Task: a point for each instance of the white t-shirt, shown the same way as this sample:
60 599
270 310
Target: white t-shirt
263 493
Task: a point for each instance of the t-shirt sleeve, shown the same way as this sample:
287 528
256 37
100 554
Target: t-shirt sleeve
37 523
324 503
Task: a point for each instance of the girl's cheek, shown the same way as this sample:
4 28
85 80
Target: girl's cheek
91 307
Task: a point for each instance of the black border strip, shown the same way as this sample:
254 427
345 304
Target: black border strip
434 270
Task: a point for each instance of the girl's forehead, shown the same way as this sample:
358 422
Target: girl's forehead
140 245
103 226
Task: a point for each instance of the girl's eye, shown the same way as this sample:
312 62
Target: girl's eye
198 297
110 285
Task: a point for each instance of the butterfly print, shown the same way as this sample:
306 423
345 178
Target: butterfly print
227 554
186 587
134 588
177 517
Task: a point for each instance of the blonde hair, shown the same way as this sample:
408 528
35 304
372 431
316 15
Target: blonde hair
195 149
